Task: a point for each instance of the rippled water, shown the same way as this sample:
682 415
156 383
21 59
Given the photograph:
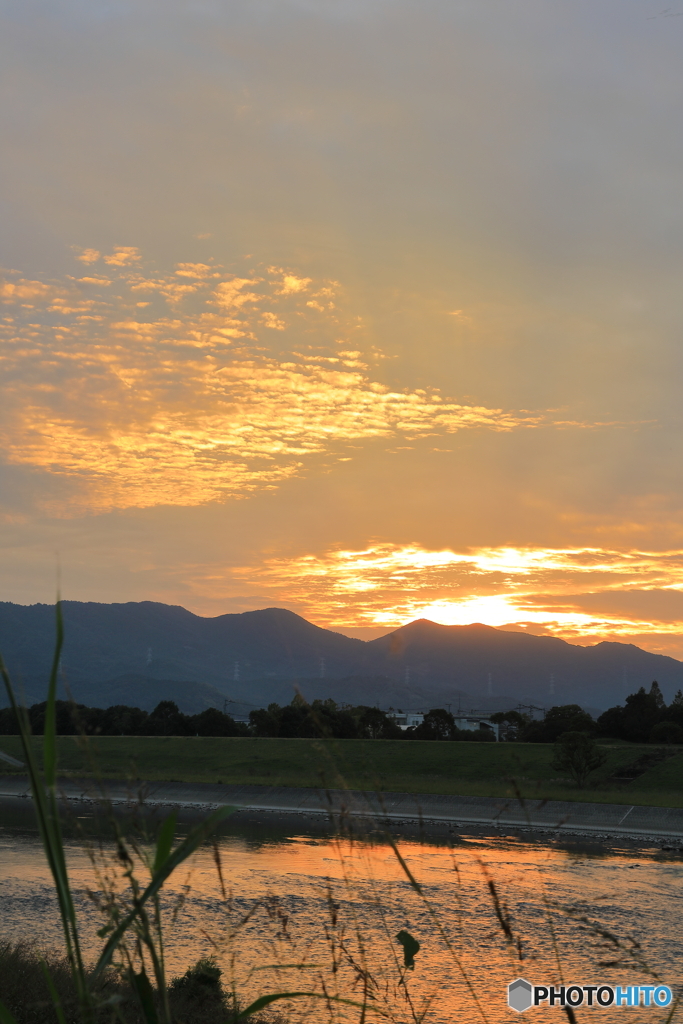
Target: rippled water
314 899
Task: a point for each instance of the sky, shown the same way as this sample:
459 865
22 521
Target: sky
367 310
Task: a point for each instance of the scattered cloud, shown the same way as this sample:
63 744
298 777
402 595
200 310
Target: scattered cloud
269 319
197 270
289 283
231 295
292 284
189 405
102 281
122 256
88 256
22 290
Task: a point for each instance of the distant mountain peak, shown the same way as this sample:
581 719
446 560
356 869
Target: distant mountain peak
261 654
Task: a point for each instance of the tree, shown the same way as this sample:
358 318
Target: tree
8 722
484 734
376 724
213 722
438 724
121 720
326 718
674 712
577 754
666 732
657 696
266 721
511 723
168 720
562 718
292 718
611 722
640 714
70 718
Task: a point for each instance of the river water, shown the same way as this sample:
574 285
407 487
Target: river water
301 908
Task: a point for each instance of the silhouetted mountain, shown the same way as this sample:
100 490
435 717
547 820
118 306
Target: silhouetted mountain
544 670
262 656
161 641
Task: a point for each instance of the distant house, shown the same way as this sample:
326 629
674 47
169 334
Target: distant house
473 723
407 719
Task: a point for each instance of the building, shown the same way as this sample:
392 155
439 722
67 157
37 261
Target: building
472 723
407 719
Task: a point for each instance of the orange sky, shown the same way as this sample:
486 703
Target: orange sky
368 310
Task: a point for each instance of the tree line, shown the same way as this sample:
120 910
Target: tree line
296 719
327 718
121 720
644 717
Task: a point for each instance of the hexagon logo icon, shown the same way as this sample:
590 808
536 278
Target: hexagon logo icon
519 995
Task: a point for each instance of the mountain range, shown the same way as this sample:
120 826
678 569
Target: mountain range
140 653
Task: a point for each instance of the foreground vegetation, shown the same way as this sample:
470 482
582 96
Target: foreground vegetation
198 997
466 769
126 980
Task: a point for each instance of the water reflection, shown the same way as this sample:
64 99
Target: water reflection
333 905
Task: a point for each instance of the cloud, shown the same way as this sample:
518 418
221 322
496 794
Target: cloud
171 289
122 256
24 290
197 270
231 295
89 256
291 284
167 410
269 319
578 594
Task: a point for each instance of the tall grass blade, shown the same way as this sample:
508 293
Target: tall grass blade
145 994
54 994
47 811
181 853
165 841
5 1016
50 731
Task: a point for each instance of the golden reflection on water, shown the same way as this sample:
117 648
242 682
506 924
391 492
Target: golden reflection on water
333 907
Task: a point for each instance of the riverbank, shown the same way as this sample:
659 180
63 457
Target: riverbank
632 773
427 811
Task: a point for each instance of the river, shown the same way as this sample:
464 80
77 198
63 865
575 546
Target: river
297 895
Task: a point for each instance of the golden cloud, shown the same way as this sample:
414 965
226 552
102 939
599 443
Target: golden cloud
171 289
88 256
269 319
122 256
572 593
139 411
231 295
25 290
292 284
197 270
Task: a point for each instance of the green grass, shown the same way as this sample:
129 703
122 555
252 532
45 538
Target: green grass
465 769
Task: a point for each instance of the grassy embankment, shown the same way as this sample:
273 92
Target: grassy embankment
465 769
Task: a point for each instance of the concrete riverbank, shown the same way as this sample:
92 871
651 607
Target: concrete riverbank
427 810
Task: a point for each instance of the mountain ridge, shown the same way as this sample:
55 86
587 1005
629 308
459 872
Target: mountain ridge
421 663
